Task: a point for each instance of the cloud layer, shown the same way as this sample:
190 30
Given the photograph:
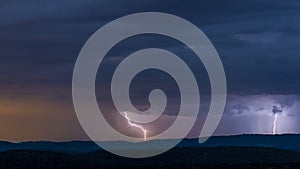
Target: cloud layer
39 42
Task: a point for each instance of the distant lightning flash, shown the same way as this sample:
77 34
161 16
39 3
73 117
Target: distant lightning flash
276 110
137 126
275 123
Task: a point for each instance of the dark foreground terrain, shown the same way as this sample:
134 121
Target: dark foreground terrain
180 157
289 142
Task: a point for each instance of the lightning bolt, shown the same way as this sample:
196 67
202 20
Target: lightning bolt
137 126
275 123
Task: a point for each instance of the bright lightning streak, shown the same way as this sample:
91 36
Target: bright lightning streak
137 126
275 123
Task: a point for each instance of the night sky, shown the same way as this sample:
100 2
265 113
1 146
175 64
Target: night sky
257 41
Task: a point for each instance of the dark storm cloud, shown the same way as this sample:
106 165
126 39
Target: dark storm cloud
257 40
21 12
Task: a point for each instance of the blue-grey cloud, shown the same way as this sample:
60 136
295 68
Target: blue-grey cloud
276 110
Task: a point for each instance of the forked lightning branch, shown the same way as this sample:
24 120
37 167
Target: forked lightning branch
136 126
